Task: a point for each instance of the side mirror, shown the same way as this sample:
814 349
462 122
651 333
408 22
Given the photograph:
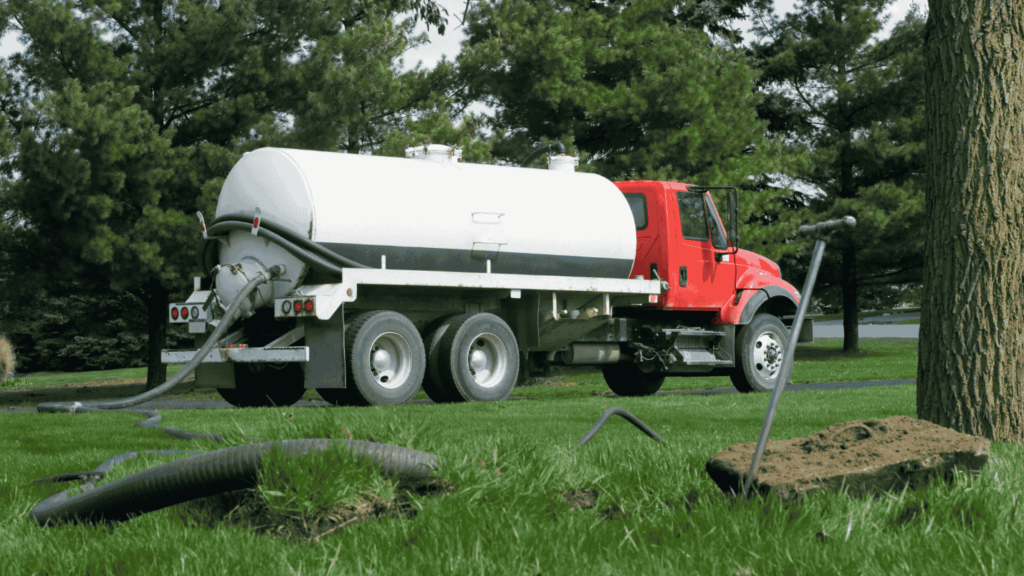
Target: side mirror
733 228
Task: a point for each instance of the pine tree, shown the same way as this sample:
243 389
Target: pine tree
132 112
855 104
645 89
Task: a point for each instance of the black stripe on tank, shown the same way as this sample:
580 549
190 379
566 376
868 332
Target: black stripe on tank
453 260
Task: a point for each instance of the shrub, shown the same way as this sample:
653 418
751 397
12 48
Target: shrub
7 360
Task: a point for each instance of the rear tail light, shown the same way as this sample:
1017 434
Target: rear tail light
292 308
195 312
184 312
174 313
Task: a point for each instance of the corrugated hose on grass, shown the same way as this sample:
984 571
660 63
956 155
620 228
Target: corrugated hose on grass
203 474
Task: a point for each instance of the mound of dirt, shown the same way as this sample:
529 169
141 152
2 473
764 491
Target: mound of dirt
861 457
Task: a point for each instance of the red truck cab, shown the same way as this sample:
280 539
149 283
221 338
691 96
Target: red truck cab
707 279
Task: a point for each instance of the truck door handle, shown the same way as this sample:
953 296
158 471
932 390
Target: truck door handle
721 256
682 276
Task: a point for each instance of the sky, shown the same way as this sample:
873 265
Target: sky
448 45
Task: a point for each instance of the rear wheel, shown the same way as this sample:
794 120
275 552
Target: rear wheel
385 360
760 348
478 359
261 385
626 379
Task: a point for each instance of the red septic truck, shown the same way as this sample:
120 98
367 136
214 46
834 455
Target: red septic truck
388 275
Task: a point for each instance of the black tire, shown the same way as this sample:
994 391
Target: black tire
625 379
431 379
260 385
385 360
478 359
760 348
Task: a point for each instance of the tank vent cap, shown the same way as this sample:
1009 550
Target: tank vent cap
435 153
563 163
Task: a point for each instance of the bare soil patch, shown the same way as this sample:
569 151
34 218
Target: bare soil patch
861 457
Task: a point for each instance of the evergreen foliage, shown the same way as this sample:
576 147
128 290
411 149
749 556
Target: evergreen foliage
81 327
639 89
128 116
855 104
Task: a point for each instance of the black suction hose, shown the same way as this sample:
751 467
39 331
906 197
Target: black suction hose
214 340
197 476
208 474
297 239
302 248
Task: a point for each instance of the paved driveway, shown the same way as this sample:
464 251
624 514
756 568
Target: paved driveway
872 327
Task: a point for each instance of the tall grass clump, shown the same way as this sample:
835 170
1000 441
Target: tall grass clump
7 360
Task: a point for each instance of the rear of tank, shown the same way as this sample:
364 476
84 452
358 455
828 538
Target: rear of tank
409 214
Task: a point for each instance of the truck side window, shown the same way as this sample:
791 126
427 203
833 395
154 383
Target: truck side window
638 205
718 239
692 215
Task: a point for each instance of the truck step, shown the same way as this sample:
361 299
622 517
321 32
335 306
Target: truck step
700 332
700 358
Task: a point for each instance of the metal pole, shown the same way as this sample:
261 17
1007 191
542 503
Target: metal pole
786 370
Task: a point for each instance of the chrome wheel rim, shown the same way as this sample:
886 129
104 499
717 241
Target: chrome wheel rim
390 360
768 354
487 360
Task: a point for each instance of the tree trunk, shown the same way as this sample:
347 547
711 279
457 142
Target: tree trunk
971 349
156 312
851 311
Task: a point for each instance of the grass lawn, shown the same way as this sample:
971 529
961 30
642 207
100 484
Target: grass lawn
519 502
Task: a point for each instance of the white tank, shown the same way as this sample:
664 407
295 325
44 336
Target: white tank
412 214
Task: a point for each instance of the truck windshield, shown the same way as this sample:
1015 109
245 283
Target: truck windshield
692 215
638 205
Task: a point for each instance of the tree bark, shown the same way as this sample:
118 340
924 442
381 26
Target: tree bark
847 189
971 348
156 321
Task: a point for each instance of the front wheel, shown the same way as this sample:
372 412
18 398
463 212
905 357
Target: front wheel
760 349
477 358
626 379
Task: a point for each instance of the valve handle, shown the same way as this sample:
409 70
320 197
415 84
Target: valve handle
824 227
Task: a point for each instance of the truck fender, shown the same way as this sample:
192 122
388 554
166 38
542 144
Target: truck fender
762 296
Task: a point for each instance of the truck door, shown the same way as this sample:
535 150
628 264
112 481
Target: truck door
648 245
702 271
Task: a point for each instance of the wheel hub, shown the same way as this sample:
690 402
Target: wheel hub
767 355
487 360
390 360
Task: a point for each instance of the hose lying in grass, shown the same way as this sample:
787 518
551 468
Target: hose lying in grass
621 412
208 474
200 475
